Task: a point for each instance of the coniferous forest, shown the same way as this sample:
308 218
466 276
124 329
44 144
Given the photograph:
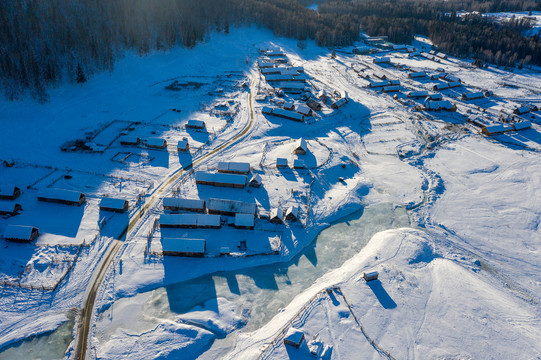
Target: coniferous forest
43 42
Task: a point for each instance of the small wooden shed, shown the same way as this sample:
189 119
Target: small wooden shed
9 208
294 337
9 192
114 205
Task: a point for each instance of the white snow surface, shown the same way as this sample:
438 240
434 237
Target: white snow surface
465 284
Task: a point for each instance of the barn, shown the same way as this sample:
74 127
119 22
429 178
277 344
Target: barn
10 208
286 114
21 233
300 147
9 192
156 143
473 96
417 94
234 167
190 221
276 216
440 105
114 205
183 146
178 204
230 207
196 124
184 247
220 179
61 196
417 75
129 140
292 213
244 221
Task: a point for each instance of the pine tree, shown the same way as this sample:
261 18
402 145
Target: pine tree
81 78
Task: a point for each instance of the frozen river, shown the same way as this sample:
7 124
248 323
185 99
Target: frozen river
257 293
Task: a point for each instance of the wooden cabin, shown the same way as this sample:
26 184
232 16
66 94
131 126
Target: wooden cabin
300 147
184 247
114 205
9 192
276 216
9 208
61 196
21 233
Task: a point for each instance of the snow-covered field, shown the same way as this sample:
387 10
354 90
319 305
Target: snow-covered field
459 278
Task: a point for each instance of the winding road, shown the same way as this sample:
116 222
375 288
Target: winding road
84 325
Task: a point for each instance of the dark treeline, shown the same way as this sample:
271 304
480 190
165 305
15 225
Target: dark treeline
43 42
501 43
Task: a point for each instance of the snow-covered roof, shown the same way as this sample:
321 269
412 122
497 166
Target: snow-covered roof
60 194
417 74
294 336
298 163
245 220
281 162
196 123
436 97
154 141
7 191
301 144
112 203
292 211
454 84
340 103
7 206
441 86
237 167
522 109
435 105
382 60
128 139
256 179
196 220
231 206
422 93
391 88
378 83
220 178
180 203
183 245
182 144
288 114
18 232
276 213
289 85
522 125
304 110
475 95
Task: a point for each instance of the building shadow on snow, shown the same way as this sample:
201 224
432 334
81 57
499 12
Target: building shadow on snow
383 297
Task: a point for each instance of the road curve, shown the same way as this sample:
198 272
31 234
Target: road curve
85 322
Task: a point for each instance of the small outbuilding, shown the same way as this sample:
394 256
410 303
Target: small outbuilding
21 233
156 143
9 192
281 163
292 213
183 145
299 164
300 147
294 337
184 247
255 181
338 104
369 276
114 205
473 96
382 60
244 221
276 216
417 94
521 110
9 208
196 124
61 196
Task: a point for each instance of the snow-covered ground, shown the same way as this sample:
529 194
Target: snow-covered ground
535 17
459 279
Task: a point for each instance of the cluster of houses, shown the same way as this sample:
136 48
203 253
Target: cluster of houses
494 127
156 142
300 147
22 233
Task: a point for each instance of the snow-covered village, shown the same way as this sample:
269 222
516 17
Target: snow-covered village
254 197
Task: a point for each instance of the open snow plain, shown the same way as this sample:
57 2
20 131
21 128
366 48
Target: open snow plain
450 217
